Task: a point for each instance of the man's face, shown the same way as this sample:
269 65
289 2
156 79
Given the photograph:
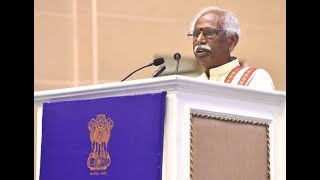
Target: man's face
218 52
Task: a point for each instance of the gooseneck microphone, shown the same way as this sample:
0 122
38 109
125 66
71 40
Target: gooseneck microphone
177 57
156 62
159 71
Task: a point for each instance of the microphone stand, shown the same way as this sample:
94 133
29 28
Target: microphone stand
155 62
177 66
136 71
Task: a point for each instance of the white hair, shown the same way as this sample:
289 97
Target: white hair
229 23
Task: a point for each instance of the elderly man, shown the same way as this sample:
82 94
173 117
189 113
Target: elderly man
215 34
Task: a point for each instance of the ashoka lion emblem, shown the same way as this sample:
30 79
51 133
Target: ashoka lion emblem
100 131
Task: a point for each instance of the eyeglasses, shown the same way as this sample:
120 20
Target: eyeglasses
208 33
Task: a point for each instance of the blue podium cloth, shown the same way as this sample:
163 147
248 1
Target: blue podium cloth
115 138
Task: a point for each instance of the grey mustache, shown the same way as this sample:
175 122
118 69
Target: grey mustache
202 46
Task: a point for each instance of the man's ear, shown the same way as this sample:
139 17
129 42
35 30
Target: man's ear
233 40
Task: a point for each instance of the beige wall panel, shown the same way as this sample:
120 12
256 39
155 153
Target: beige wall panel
84 7
126 45
46 85
53 6
262 13
85 51
251 10
53 48
147 8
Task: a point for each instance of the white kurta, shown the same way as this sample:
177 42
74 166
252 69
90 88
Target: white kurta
260 79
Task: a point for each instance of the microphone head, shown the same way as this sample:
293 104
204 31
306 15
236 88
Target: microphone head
158 61
177 56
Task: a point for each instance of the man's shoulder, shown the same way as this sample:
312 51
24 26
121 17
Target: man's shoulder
250 76
261 79
260 72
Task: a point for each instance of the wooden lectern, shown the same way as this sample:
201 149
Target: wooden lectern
212 130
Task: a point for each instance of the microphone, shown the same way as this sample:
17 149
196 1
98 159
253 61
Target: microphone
159 71
156 62
177 57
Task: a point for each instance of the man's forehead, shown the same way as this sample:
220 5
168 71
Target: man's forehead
208 18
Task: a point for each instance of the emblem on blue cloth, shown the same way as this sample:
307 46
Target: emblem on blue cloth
100 131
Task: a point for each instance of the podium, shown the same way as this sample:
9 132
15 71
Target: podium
211 130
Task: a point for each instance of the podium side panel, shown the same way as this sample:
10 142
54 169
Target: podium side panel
231 149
